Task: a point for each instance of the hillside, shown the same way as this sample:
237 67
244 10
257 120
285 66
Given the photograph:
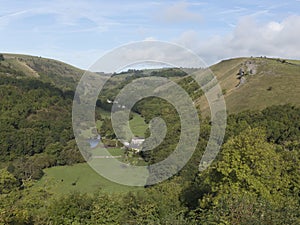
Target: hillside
266 82
52 71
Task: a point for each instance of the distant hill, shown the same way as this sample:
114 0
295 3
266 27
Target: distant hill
52 71
265 82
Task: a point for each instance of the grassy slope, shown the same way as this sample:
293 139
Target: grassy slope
61 74
58 180
283 78
20 66
138 125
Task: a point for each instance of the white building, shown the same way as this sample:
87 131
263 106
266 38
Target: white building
136 144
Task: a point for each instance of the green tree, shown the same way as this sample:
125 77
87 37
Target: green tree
107 129
139 209
8 182
74 208
249 179
107 209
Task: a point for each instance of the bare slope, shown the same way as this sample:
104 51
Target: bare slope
265 82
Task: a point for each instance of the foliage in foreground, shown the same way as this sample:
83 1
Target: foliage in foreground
253 182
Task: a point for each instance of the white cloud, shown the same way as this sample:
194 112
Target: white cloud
277 39
66 13
234 10
188 38
179 12
150 39
7 18
163 53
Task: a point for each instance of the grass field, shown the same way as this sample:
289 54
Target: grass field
81 177
61 179
116 151
294 61
138 125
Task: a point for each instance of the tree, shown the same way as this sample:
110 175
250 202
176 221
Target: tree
167 194
248 164
107 129
107 209
8 182
74 208
249 180
139 209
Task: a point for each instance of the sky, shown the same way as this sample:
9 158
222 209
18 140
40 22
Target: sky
79 32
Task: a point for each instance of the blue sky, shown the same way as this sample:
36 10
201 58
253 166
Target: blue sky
79 32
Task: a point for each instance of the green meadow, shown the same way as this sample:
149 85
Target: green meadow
81 178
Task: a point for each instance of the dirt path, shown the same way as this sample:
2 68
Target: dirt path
32 72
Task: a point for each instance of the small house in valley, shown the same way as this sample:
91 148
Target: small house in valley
135 144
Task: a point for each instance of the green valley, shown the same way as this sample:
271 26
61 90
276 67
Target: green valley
44 178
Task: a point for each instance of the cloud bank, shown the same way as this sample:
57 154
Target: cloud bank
249 38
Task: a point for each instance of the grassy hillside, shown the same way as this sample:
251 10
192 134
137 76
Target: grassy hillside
58 73
271 82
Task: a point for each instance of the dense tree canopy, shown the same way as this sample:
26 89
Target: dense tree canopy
36 131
